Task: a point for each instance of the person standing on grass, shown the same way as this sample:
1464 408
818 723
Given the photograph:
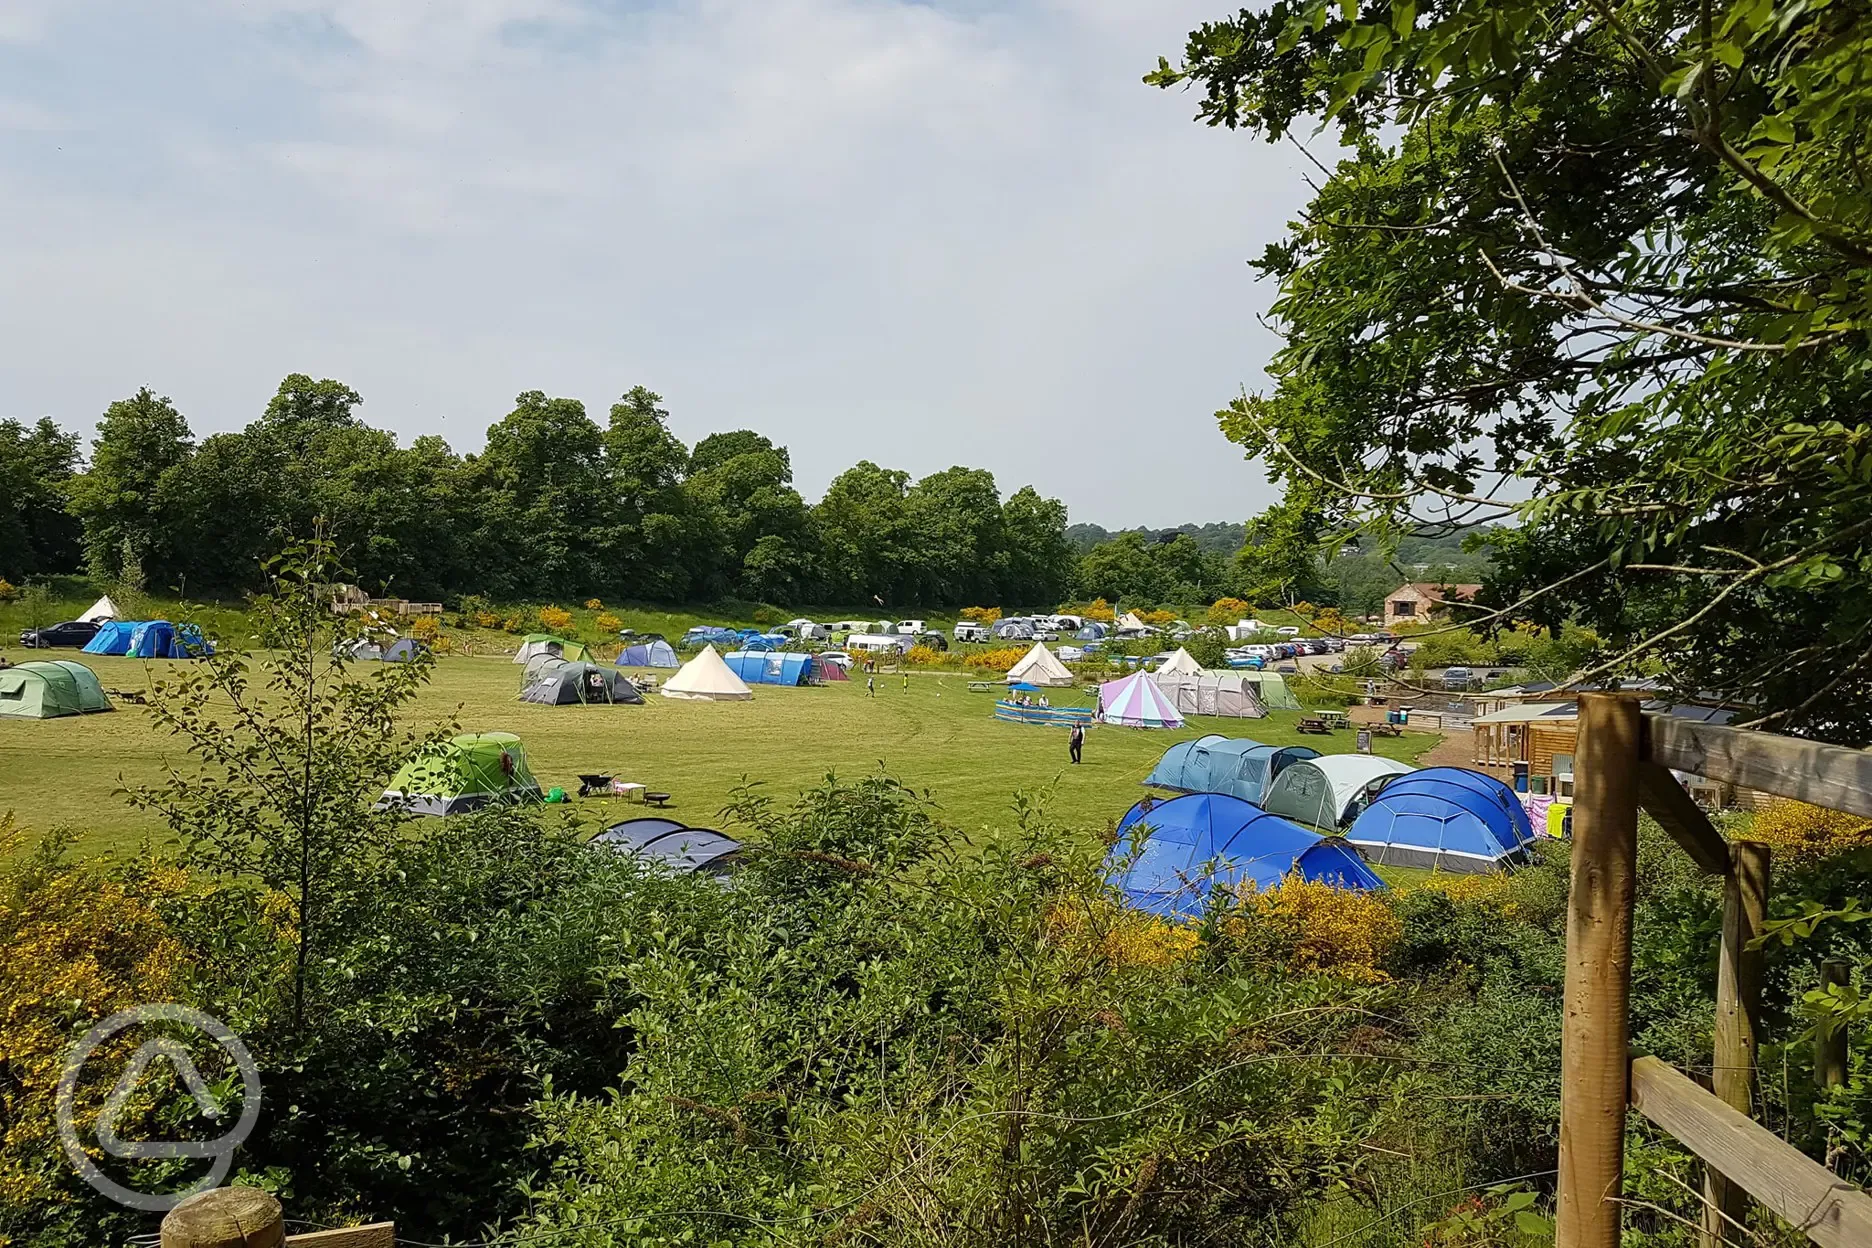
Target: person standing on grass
871 686
1076 741
906 680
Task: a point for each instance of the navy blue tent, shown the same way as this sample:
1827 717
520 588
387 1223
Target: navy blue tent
672 845
1093 631
648 654
1193 843
771 667
1236 766
113 637
1449 818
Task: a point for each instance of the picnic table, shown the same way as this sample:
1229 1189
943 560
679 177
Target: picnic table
1313 723
1333 719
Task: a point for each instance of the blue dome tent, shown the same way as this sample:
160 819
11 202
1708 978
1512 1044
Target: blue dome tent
1233 765
1448 818
672 846
159 639
1202 840
648 654
1093 631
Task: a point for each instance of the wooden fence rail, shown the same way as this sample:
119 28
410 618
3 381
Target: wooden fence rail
1624 760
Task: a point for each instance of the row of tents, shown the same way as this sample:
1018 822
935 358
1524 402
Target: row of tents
1448 818
560 673
1161 699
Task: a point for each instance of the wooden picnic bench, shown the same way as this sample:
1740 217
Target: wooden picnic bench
983 686
1313 723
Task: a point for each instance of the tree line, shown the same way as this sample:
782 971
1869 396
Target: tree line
556 504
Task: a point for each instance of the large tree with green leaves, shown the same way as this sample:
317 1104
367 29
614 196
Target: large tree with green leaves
1604 269
37 467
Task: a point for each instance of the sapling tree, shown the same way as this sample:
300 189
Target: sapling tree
292 742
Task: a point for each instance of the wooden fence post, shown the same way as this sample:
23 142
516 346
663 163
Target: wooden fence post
225 1217
1738 1008
1595 1063
1830 1051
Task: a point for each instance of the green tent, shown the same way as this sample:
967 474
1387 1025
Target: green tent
1275 695
535 644
48 690
465 773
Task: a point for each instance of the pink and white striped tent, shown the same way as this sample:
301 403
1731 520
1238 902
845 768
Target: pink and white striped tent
1137 702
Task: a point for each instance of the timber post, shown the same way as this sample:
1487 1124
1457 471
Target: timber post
1830 1049
225 1217
1594 1053
1738 1010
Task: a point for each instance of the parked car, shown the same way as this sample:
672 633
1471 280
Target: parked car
838 658
970 630
910 628
1458 678
72 633
933 640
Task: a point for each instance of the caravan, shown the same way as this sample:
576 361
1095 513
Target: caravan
879 643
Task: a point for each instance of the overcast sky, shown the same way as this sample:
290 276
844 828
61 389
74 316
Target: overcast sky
920 233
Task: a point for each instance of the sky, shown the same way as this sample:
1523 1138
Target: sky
921 233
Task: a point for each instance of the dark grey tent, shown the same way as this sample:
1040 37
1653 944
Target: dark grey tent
672 845
558 683
365 650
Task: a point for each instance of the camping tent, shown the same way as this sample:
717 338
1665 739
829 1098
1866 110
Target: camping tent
558 683
1137 702
159 639
1182 663
706 678
1040 667
1013 630
364 650
1235 766
1449 818
464 773
1169 858
1227 694
1092 631
1130 620
672 846
831 673
557 647
772 667
112 638
1273 690
49 690
101 610
1329 791
648 654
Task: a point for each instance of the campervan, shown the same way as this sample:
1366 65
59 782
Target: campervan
969 630
879 643
910 628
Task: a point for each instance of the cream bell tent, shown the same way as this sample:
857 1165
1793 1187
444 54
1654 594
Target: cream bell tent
1130 620
102 609
1040 667
1182 663
706 678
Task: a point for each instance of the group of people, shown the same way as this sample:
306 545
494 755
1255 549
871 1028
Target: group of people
1027 700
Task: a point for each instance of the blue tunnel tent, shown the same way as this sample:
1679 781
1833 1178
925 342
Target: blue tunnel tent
1201 840
1447 818
672 845
1236 766
772 667
112 637
648 654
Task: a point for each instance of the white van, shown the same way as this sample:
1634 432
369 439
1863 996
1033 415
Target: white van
911 628
879 643
970 630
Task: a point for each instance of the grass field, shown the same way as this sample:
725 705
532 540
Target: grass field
934 735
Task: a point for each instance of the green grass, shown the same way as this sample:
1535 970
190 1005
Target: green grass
934 736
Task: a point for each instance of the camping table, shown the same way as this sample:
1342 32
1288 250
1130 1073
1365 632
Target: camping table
1333 719
625 789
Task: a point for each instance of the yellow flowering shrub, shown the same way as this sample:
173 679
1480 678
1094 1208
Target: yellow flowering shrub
7 591
981 615
998 660
1157 619
1098 610
486 619
1228 610
594 604
1496 892
923 656
609 623
80 945
1320 928
426 628
555 619
1798 832
1120 937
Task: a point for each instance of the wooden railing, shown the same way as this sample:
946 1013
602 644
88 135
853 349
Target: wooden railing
1623 762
